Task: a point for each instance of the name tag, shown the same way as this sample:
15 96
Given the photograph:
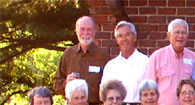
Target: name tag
187 61
94 69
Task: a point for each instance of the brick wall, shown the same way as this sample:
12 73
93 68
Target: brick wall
151 18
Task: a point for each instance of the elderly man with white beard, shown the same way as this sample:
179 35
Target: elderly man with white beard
84 60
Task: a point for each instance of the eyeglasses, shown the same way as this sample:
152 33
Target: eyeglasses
184 93
111 99
179 33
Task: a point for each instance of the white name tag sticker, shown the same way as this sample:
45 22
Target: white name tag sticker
187 61
94 69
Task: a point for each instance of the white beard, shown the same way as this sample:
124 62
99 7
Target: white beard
86 39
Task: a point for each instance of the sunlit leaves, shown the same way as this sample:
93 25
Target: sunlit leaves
18 99
36 68
26 26
59 100
9 24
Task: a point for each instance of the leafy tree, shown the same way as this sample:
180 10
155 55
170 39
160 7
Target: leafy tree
28 24
25 26
35 68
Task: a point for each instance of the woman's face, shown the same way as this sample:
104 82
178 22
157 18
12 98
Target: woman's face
78 98
149 97
39 100
113 97
187 95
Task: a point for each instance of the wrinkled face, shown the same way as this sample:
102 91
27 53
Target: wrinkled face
125 38
85 31
178 37
78 98
113 97
187 95
149 97
38 100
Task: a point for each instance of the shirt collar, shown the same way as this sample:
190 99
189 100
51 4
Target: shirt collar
174 53
90 50
132 55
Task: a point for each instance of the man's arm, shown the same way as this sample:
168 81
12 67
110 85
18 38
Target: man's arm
151 68
59 83
62 77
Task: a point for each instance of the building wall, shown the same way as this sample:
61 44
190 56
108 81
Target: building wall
151 18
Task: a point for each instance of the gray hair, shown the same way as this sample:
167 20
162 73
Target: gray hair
148 85
87 17
41 91
112 85
177 21
124 23
77 84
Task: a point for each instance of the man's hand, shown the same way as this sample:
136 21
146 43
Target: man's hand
72 76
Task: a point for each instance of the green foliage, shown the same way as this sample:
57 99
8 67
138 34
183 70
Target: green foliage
25 27
58 100
36 68
19 99
28 24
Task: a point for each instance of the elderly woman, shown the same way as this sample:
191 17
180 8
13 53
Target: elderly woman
112 92
77 92
186 92
40 96
148 92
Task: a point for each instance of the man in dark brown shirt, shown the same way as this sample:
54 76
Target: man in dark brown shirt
85 58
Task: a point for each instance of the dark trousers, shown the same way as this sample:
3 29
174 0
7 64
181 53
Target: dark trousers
95 104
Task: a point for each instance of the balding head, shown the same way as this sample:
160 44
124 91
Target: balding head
85 18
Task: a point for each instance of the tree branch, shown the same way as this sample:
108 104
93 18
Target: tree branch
14 55
8 96
117 10
50 47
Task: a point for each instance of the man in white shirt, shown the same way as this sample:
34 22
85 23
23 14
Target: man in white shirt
129 66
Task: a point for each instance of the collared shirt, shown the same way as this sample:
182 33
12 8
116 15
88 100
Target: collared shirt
130 71
75 60
168 69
